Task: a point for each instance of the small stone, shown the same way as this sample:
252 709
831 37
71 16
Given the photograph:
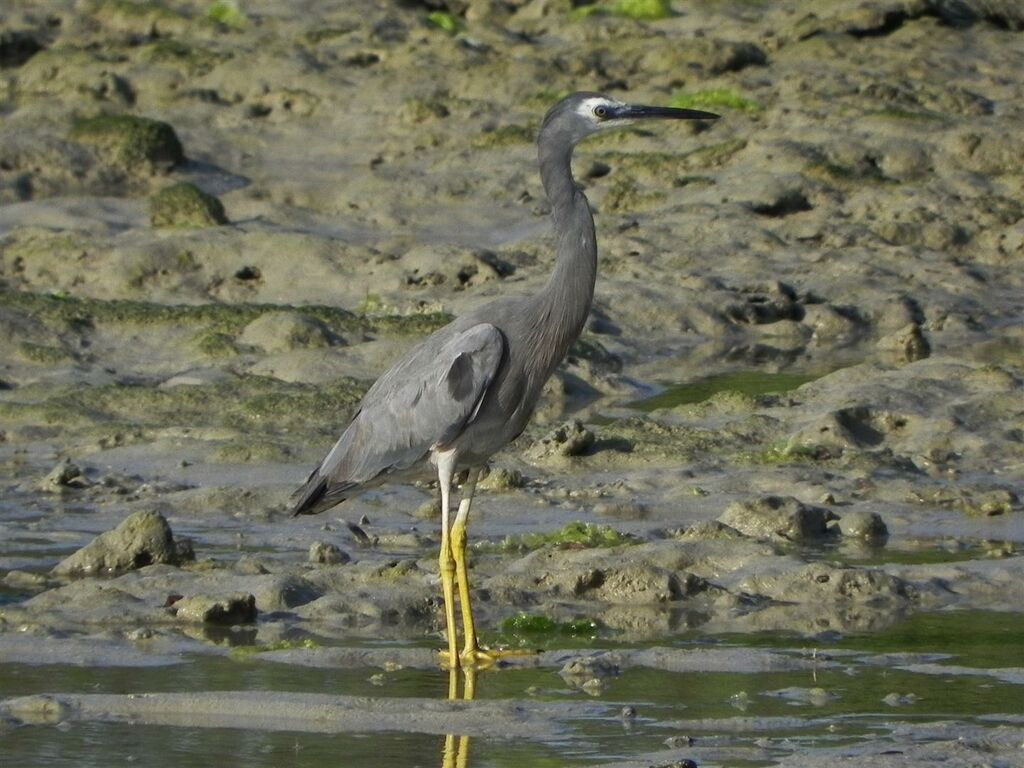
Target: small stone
678 742
65 475
227 610
428 510
23 580
136 144
778 517
185 205
501 479
908 344
570 439
327 553
250 566
899 700
868 526
141 539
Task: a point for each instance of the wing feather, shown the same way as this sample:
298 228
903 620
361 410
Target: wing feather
424 401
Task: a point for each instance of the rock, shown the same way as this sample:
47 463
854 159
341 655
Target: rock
904 161
782 518
428 510
868 526
590 667
141 539
570 439
250 566
818 582
203 609
185 205
134 144
501 479
65 475
327 553
908 344
283 331
24 581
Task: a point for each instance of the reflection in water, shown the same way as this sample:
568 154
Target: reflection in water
456 747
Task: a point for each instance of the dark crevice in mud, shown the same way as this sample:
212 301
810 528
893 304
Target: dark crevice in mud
892 21
17 47
791 202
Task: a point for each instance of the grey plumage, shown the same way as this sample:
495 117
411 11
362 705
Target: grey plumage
470 387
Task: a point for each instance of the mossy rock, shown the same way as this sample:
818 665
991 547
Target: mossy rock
185 205
135 144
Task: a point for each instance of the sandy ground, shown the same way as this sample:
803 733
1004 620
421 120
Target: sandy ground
799 395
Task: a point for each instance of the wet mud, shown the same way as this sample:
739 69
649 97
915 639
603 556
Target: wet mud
769 509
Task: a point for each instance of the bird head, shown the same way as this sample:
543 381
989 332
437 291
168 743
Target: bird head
582 114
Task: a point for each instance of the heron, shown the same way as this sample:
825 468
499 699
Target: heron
469 388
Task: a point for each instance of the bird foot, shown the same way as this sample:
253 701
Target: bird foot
483 658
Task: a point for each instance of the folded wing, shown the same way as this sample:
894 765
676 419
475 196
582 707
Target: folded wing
424 401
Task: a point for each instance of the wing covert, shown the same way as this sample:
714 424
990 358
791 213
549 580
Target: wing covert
422 402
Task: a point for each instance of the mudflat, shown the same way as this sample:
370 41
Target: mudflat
769 509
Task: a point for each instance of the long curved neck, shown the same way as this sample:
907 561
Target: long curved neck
564 301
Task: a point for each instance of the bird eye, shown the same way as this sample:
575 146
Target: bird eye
601 111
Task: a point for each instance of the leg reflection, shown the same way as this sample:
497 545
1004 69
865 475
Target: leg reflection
456 748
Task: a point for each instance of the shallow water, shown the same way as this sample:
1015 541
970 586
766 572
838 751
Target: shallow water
749 383
963 668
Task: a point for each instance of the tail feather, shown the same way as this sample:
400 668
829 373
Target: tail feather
310 494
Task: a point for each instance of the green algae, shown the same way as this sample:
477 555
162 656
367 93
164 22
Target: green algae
644 439
535 624
446 21
129 141
253 450
670 167
192 59
639 10
248 651
226 13
43 353
715 98
575 535
185 205
504 136
216 324
844 176
786 453
252 403
624 194
645 10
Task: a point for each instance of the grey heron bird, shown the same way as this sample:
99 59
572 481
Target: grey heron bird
469 388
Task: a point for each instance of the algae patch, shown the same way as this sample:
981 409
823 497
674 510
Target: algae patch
575 535
536 625
131 142
715 98
185 205
251 403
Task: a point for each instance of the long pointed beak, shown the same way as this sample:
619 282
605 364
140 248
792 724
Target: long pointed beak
629 112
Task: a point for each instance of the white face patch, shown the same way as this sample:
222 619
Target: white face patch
586 108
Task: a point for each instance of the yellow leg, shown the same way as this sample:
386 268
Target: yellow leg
446 564
471 655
